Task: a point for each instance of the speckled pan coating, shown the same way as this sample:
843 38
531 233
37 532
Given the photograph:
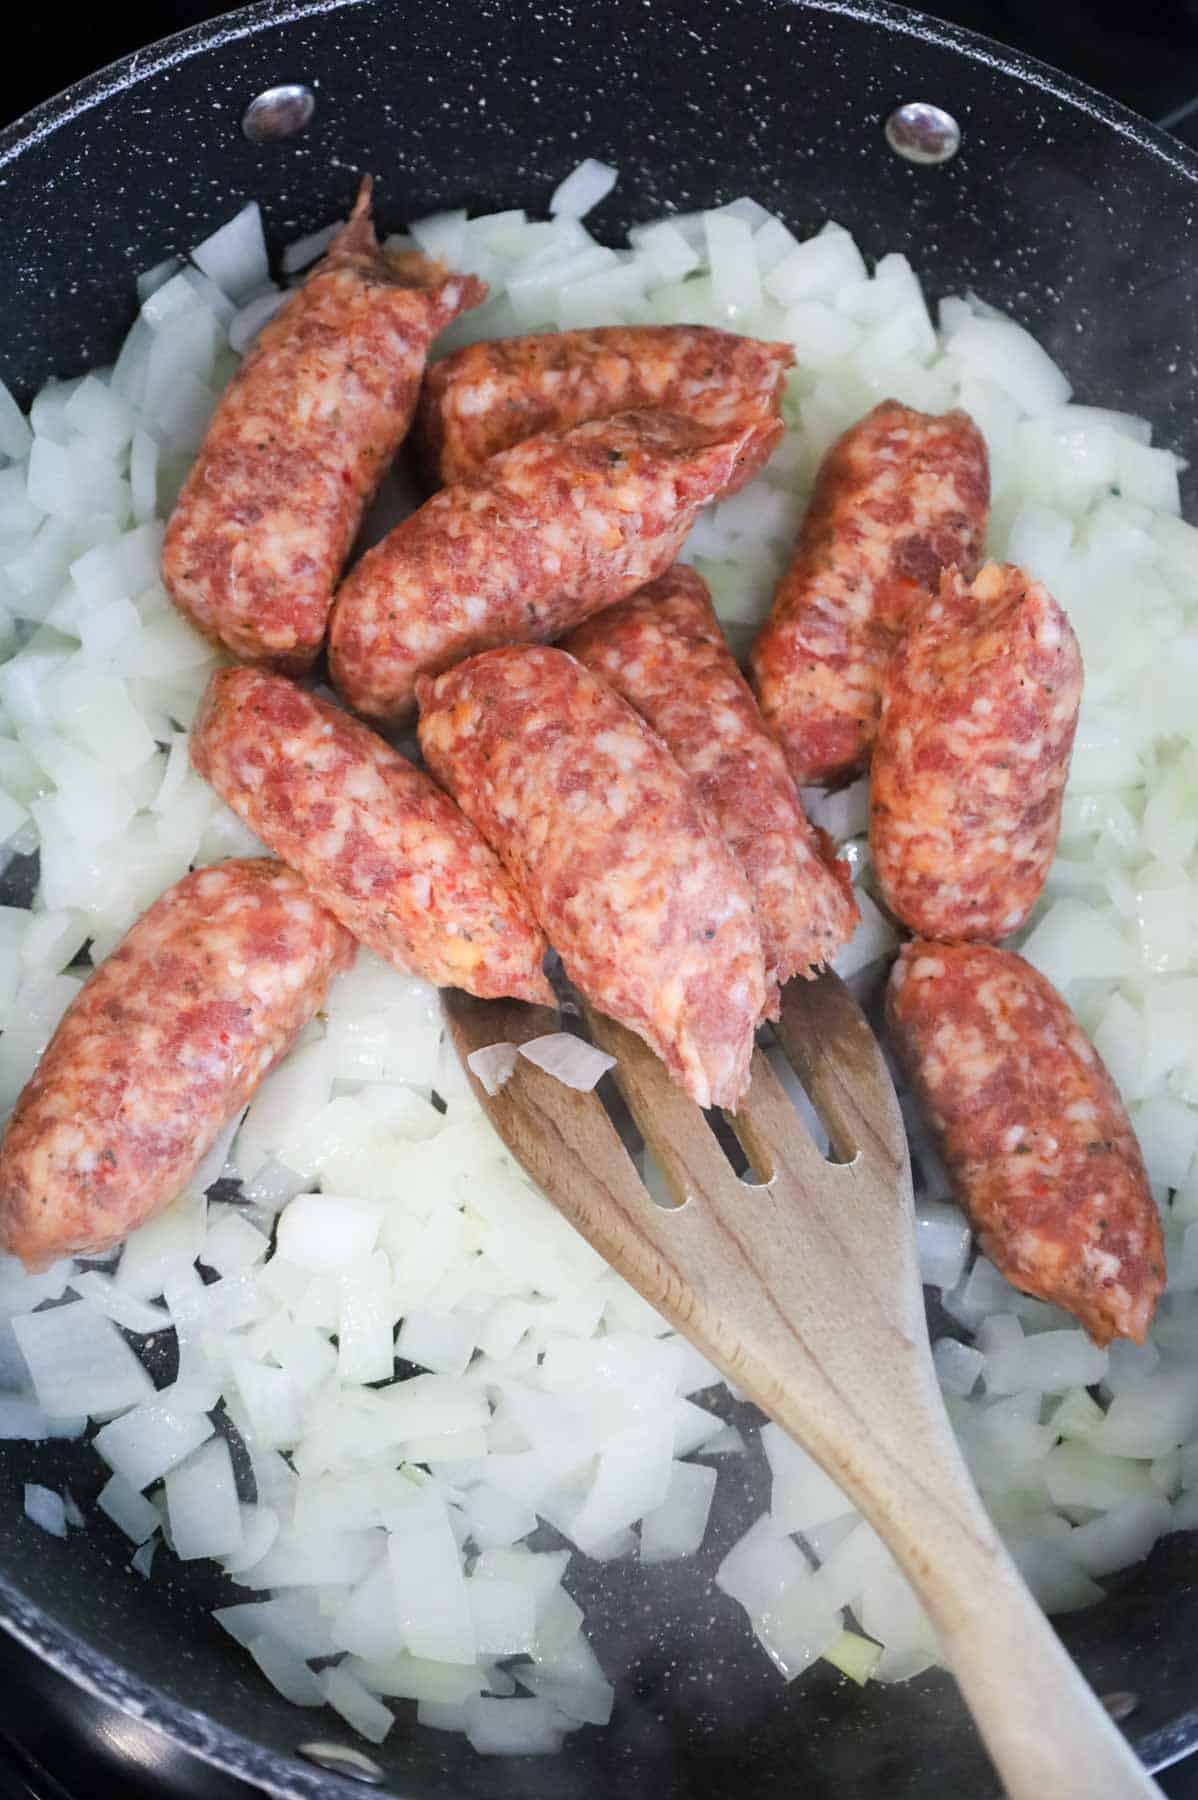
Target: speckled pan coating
488 396
632 882
901 496
379 844
540 538
1037 1141
164 1044
979 709
298 445
1057 200
663 650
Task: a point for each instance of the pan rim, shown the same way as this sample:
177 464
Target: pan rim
33 127
278 1772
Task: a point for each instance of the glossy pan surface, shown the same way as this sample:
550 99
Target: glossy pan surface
1061 207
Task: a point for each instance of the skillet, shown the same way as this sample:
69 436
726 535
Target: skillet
1061 207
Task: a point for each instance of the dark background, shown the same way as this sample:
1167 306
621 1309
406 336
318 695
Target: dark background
1144 52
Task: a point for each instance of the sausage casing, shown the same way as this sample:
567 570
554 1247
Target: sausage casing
1036 1139
378 843
164 1044
633 884
663 650
300 442
486 397
900 497
544 535
979 710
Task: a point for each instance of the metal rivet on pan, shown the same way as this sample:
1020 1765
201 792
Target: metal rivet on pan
340 1759
921 133
1122 1704
280 112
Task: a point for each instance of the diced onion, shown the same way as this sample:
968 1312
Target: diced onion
234 257
678 1526
46 1508
201 1500
569 1059
582 189
494 1064
128 1509
79 1362
385 1529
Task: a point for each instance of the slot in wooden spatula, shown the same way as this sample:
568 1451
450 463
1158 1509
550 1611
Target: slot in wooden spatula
805 1292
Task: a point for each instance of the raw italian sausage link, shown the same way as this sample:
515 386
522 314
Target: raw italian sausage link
1036 1139
486 397
299 443
630 879
376 840
663 650
979 710
544 535
900 497
163 1046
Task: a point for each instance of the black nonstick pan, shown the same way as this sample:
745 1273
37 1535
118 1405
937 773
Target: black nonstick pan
1060 207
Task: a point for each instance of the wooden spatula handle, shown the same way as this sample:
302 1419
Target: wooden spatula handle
1049 1736
1042 1724
803 1289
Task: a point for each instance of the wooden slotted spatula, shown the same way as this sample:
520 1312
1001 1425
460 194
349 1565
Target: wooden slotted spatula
805 1292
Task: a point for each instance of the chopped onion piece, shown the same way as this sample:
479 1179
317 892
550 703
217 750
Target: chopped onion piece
1049 1362
201 1499
1122 1536
678 1526
143 1557
259 1529
493 1064
582 189
46 1508
569 1059
944 1240
855 1656
123 1308
22 1417
513 1727
431 1599
406 1677
328 1232
128 1509
504 1616
958 1366
357 1706
1157 1415
234 257
245 325
79 1362
293 1620
286 1672
143 1444
803 1495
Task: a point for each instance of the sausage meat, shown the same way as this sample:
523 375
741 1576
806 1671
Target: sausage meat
979 710
486 397
663 650
900 497
163 1046
544 535
1036 1139
378 843
300 442
633 884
